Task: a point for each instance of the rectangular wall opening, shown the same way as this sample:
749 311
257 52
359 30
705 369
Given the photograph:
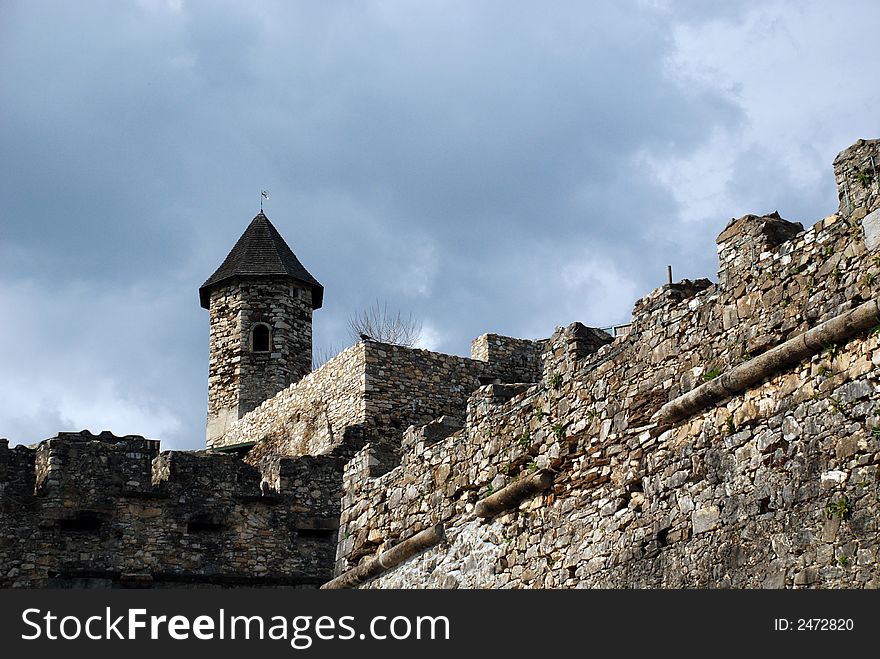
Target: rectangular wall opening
87 522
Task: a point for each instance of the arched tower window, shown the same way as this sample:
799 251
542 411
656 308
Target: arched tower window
261 338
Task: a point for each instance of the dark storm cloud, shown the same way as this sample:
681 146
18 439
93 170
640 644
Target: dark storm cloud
487 166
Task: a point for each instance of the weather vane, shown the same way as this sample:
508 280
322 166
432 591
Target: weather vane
264 194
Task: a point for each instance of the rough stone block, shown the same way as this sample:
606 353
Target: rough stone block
871 228
706 519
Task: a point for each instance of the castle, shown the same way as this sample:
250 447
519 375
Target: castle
730 439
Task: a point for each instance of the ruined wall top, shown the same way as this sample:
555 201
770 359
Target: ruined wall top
747 239
513 360
857 174
95 470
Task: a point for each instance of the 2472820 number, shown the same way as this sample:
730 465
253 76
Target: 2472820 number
824 624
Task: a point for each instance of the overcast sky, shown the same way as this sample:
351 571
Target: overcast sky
487 166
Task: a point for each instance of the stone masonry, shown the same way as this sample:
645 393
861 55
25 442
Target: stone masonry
84 510
518 359
379 389
239 377
730 439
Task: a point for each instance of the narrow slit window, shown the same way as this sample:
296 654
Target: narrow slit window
260 339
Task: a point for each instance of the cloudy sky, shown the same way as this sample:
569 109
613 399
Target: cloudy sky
486 166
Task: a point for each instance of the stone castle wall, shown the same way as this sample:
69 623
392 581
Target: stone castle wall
516 360
769 485
408 386
310 416
378 388
102 511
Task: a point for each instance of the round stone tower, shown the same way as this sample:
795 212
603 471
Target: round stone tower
260 300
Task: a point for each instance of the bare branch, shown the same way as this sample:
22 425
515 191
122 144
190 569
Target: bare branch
378 324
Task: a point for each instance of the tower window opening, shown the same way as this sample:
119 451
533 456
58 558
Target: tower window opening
87 521
261 338
204 524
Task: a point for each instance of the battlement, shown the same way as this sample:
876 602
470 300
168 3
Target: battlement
105 510
97 469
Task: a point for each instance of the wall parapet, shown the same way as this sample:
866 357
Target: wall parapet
511 359
91 510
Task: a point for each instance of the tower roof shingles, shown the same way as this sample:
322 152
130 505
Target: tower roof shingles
261 252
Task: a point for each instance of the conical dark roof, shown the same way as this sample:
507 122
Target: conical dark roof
261 252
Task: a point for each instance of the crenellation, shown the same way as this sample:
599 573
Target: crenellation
95 468
571 345
17 471
111 506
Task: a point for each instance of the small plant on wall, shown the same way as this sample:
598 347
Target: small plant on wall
712 373
838 405
731 426
841 508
